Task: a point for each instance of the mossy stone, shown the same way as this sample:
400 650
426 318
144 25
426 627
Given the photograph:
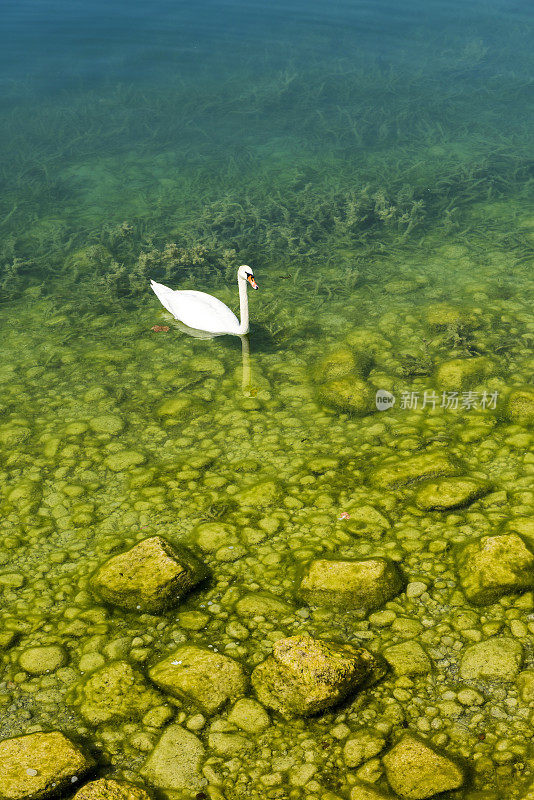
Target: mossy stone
520 406
361 791
262 604
446 493
350 394
42 659
260 495
174 406
249 715
415 770
493 566
407 658
124 460
202 676
341 363
175 764
111 424
304 676
359 585
525 684
107 789
463 373
211 535
151 576
443 315
410 470
496 659
115 692
40 766
361 746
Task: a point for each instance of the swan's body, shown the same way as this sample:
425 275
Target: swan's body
204 312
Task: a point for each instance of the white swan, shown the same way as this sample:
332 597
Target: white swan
204 312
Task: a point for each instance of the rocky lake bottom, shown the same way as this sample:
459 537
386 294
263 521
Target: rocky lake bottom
227 588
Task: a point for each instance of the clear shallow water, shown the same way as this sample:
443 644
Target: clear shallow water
375 168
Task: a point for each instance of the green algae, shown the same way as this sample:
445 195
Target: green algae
405 266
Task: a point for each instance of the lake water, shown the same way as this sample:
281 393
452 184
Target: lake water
373 163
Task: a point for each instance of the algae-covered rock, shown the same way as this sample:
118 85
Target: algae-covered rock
365 791
361 746
520 406
493 566
415 770
211 535
107 789
407 658
175 763
39 766
124 460
443 315
341 363
111 424
151 576
206 678
409 470
525 684
304 676
174 406
249 715
359 585
260 495
447 493
462 373
115 692
350 394
262 604
498 658
38 660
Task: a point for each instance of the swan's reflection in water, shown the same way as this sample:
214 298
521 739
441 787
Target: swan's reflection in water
246 372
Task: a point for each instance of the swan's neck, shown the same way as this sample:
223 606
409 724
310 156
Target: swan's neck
243 306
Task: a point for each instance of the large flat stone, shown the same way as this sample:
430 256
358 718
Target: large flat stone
360 585
304 676
151 576
206 678
445 493
493 566
40 766
415 770
106 789
175 764
496 659
409 470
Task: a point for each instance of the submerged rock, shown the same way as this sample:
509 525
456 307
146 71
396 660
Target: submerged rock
410 470
493 566
350 394
175 763
407 658
340 364
359 585
249 715
39 660
151 576
498 658
262 604
462 373
260 495
106 789
115 692
450 493
415 770
304 676
520 406
361 746
39 766
365 791
206 678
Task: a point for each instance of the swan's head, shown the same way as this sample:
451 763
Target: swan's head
245 273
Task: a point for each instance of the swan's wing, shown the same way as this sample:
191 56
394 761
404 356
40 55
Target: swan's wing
197 309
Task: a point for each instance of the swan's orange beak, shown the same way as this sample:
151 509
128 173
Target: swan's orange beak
250 279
